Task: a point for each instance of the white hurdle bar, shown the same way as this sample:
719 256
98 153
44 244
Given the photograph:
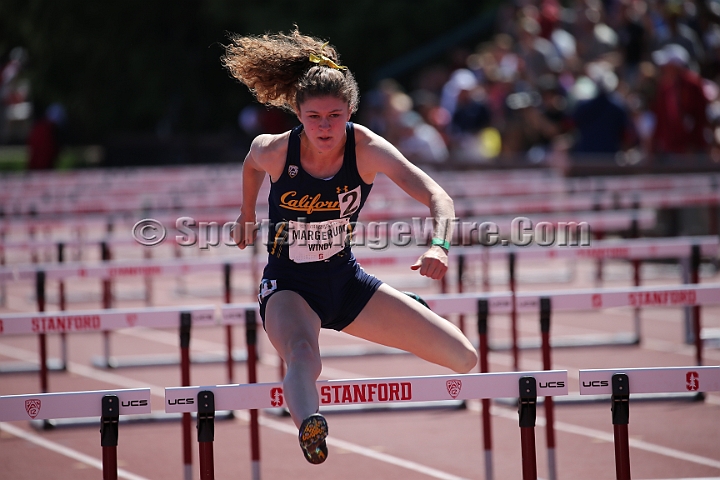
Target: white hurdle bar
50 406
622 383
582 300
372 390
112 270
256 396
42 323
108 405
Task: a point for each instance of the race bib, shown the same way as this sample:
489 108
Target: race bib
316 241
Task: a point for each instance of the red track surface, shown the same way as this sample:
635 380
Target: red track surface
670 439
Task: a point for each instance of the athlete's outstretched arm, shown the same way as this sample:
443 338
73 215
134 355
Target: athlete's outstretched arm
378 155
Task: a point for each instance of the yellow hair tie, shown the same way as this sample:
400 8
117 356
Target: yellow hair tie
325 61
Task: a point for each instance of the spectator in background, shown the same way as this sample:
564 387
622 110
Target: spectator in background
420 142
427 104
679 104
43 141
539 55
603 123
676 31
633 35
461 79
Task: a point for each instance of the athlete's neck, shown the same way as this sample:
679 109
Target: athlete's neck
319 163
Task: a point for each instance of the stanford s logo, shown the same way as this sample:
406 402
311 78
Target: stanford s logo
692 381
276 397
293 170
32 407
454 387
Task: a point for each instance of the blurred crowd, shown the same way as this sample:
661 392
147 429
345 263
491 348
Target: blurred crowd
24 121
622 81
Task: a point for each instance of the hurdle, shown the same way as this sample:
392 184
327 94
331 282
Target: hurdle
385 390
582 299
544 303
109 405
635 250
622 383
42 323
674 296
107 271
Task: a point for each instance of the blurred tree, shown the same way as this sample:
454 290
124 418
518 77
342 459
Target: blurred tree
153 67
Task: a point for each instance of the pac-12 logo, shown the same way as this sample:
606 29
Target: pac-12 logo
276 397
454 387
692 381
131 319
32 407
293 170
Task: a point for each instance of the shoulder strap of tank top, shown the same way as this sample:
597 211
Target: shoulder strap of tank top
293 152
349 157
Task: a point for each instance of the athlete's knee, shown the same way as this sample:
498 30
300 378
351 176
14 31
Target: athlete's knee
303 354
466 359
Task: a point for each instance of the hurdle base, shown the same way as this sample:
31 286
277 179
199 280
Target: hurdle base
163 360
379 407
636 397
572 341
156 417
53 365
711 337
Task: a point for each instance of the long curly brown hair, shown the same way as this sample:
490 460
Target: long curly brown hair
278 71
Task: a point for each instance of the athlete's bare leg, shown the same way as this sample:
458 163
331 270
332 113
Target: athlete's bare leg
392 318
293 328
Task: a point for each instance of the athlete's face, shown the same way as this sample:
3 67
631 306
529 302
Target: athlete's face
324 121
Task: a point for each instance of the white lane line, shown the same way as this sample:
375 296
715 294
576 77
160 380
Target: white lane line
88 372
62 450
360 450
172 339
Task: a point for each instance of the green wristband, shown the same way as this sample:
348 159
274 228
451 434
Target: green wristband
444 244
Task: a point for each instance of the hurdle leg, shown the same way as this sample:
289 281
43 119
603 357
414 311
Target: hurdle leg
460 273
485 266
636 312
106 303
527 415
697 326
484 368
251 340
513 313
206 433
599 263
109 436
185 324
148 280
549 405
43 363
227 272
61 302
3 290
621 419
42 338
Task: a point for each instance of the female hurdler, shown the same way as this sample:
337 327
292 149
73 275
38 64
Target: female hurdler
321 173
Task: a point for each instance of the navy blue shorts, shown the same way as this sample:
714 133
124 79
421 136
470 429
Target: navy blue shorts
337 289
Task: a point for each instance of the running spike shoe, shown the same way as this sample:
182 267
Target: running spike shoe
313 431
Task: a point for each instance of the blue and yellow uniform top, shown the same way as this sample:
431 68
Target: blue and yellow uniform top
311 218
